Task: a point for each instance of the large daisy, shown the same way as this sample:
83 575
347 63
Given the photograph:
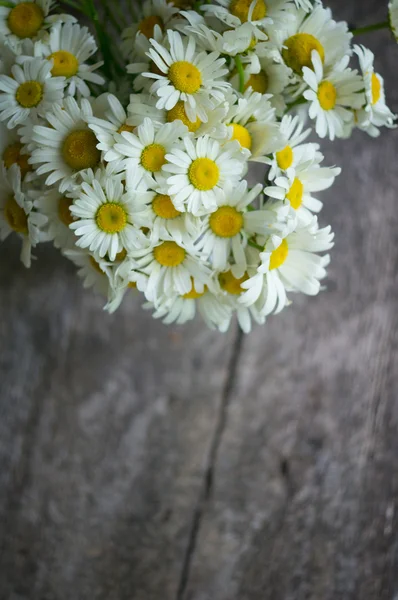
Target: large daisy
67 147
69 48
30 91
333 96
145 150
102 210
199 171
183 74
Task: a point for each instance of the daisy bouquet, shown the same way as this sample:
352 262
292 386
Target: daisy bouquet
134 157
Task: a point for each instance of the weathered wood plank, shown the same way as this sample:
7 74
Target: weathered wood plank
106 425
305 491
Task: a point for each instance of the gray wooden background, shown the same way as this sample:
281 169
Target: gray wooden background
140 462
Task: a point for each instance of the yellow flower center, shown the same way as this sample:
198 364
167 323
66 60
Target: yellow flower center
231 284
327 95
153 157
376 89
240 9
121 255
204 174
64 213
80 150
242 135
96 265
15 216
193 294
284 158
147 25
297 51
178 114
185 77
164 208
125 127
25 19
278 256
169 254
226 222
111 217
258 82
295 194
13 155
29 94
132 285
65 64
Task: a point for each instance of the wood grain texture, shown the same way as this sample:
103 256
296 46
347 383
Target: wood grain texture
142 462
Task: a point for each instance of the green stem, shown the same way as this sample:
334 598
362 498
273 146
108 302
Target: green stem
254 245
241 73
369 28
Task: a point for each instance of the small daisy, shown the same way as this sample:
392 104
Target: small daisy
213 309
56 207
69 48
22 19
298 185
195 78
145 150
102 211
288 264
375 113
17 214
235 12
199 172
141 61
332 97
14 152
393 17
252 123
231 289
291 128
171 269
29 92
156 16
94 272
67 146
298 37
227 229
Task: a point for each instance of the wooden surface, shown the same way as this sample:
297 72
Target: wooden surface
140 462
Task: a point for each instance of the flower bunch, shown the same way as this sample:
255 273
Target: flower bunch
137 167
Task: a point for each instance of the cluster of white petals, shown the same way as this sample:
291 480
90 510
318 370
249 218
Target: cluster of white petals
143 174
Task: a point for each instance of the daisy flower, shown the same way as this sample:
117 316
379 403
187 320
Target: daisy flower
183 74
227 229
69 48
235 12
299 184
22 19
94 271
145 151
140 60
332 96
393 17
171 269
252 122
14 152
17 214
102 211
231 289
29 92
297 37
199 171
375 113
291 128
56 207
289 263
67 146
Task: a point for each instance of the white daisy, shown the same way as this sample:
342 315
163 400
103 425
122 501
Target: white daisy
102 208
375 113
14 152
296 38
195 78
288 264
393 17
227 229
199 172
231 289
17 213
141 61
94 271
291 128
67 146
29 92
56 207
332 96
235 12
299 184
145 150
70 47
171 268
